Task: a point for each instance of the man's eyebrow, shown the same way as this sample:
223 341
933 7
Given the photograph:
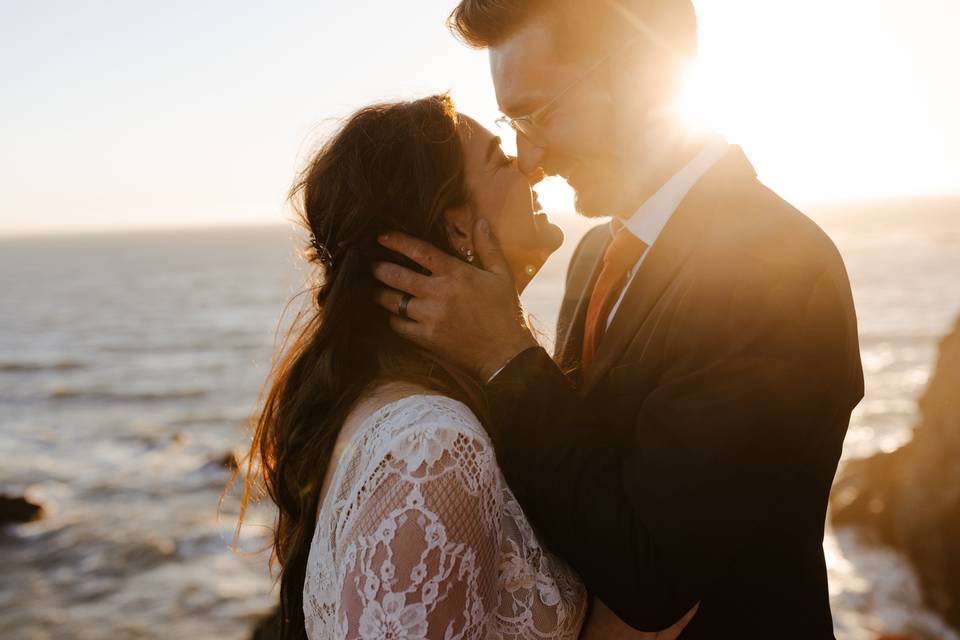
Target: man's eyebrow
518 110
493 147
524 106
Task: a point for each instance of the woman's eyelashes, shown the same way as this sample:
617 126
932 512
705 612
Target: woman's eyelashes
505 161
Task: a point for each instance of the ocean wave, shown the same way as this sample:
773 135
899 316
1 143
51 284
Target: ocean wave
193 347
16 366
109 395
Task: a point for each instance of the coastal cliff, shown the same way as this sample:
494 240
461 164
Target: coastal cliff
910 498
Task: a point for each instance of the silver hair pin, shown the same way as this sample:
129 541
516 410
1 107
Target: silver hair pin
323 254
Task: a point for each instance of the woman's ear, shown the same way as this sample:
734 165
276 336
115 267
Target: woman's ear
459 223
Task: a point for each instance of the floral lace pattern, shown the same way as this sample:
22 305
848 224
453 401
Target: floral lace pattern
419 538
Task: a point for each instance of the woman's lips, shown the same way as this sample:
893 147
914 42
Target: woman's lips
540 219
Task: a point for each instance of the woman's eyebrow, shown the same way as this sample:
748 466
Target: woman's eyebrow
493 147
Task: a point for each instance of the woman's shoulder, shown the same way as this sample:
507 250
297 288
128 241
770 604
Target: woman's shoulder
424 440
409 421
406 404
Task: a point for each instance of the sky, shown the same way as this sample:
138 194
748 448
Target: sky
161 113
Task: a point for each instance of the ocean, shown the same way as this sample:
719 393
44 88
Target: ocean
131 362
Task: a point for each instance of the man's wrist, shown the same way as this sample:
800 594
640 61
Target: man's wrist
497 372
495 366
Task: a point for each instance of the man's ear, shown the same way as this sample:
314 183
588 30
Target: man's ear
459 222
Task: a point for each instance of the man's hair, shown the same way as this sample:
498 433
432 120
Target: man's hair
582 24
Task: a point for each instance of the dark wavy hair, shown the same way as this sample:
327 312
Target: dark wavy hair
581 25
390 167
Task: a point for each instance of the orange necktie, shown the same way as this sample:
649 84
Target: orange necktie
624 252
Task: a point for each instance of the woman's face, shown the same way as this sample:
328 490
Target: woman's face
501 194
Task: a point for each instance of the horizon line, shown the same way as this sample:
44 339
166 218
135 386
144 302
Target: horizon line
220 225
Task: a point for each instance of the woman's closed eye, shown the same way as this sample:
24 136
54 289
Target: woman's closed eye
496 158
500 160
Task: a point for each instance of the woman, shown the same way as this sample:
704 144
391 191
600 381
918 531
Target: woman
394 520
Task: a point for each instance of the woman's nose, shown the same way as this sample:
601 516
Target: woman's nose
532 178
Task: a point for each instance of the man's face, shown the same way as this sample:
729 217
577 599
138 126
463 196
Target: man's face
580 127
598 132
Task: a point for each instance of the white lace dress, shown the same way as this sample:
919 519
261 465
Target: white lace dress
418 537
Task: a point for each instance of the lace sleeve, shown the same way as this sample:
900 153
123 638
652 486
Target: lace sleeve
420 558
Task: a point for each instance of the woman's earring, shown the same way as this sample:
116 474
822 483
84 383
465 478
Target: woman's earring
468 254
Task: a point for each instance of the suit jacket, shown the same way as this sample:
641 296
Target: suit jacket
693 460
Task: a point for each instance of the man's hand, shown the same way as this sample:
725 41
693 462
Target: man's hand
468 315
603 624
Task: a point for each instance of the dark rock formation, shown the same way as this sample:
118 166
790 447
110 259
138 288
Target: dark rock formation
230 460
268 628
17 509
910 498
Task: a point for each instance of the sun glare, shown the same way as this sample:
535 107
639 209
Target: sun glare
826 100
696 109
830 102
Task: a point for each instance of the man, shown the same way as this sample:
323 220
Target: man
681 446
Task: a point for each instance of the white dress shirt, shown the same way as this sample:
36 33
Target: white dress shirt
653 215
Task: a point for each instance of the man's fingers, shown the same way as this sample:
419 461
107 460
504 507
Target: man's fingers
488 249
674 632
423 253
401 278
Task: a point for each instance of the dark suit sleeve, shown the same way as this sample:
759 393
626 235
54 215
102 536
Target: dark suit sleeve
758 380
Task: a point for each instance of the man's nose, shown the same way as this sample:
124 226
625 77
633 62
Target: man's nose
530 159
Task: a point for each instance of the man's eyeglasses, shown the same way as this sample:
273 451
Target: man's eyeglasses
528 126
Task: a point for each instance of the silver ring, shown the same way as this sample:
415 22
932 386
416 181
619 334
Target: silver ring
404 303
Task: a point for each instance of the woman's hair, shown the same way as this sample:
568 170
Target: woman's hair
390 167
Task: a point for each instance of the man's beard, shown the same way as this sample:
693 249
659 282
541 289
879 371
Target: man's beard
599 199
584 208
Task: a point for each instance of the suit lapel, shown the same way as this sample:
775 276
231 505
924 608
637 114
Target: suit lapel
664 259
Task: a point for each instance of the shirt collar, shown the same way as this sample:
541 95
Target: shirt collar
649 220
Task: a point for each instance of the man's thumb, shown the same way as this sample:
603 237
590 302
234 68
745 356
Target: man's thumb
488 250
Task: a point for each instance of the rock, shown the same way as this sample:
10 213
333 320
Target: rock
230 460
268 628
17 509
910 498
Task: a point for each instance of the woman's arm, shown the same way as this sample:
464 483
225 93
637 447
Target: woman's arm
421 559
